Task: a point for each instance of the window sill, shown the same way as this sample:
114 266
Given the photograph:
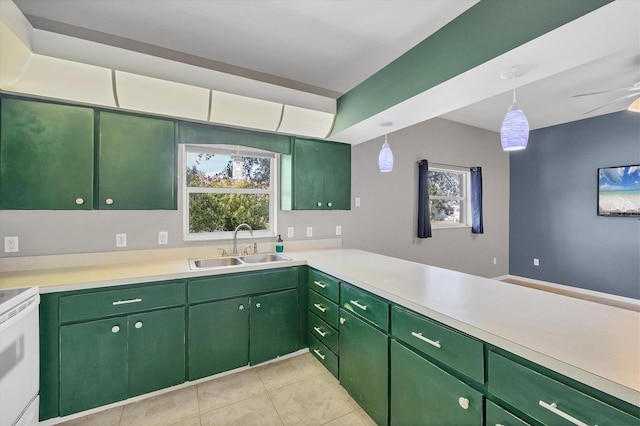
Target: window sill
228 236
452 226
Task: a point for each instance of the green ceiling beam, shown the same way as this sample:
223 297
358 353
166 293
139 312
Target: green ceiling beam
483 32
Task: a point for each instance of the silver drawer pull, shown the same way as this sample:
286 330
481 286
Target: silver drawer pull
319 284
464 403
357 305
553 407
320 307
138 324
435 343
124 302
319 354
115 329
320 332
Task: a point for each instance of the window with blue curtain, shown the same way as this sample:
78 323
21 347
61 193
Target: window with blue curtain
424 220
477 226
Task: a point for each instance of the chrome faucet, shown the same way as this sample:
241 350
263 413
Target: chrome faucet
235 236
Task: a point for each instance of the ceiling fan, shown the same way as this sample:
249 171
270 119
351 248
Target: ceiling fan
632 91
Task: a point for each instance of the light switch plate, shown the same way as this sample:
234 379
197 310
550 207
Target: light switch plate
11 245
357 202
338 230
121 240
163 237
290 232
309 231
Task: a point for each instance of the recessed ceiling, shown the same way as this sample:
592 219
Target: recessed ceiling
329 47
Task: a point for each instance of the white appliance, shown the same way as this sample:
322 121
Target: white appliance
19 356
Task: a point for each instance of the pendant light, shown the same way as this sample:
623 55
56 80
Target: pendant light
514 133
385 158
237 171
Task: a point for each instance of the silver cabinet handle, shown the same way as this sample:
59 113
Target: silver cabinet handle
109 201
258 305
319 284
79 201
319 204
553 407
124 302
115 329
241 307
357 305
464 403
499 424
320 307
138 324
435 343
329 204
342 320
319 354
320 332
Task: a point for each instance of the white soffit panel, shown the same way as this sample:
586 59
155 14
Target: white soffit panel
141 93
14 56
242 111
62 79
306 122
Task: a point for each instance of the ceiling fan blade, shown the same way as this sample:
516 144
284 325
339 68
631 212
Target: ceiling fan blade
626 89
611 102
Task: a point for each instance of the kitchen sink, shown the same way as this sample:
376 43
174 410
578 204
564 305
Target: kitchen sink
259 258
218 262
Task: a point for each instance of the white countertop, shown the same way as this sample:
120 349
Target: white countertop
595 344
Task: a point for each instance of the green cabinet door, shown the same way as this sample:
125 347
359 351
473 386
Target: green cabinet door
93 364
273 325
46 156
317 176
218 337
364 365
156 350
423 394
136 163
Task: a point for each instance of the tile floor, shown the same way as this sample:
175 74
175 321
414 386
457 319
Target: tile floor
295 391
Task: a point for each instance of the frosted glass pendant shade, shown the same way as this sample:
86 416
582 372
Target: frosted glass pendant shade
514 133
385 159
236 168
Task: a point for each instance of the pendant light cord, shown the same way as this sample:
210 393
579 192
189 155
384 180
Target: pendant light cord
514 89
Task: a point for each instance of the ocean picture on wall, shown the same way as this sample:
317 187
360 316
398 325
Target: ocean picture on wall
619 191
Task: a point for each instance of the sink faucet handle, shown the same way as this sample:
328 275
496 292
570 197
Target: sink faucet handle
255 248
223 252
246 250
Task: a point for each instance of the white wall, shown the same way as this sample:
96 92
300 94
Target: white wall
386 222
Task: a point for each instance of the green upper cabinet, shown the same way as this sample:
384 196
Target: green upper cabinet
46 156
317 176
136 163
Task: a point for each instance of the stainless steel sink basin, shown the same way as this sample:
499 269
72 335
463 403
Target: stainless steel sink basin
214 262
260 258
218 262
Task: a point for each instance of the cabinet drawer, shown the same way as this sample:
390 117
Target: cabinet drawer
241 284
78 307
324 355
498 416
324 309
324 284
323 332
545 399
365 305
458 351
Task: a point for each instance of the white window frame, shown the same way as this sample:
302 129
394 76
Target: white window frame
464 198
227 150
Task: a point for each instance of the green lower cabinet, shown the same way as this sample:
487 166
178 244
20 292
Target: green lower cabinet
498 416
423 394
273 326
218 337
93 364
156 350
109 360
364 365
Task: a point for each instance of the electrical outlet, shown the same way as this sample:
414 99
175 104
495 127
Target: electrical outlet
163 237
290 232
11 244
357 201
309 231
495 260
536 262
338 230
121 240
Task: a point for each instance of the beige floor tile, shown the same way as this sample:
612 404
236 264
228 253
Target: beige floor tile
228 390
310 402
160 410
258 410
350 419
193 421
289 371
110 417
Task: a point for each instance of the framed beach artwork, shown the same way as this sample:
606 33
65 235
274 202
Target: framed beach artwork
619 191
